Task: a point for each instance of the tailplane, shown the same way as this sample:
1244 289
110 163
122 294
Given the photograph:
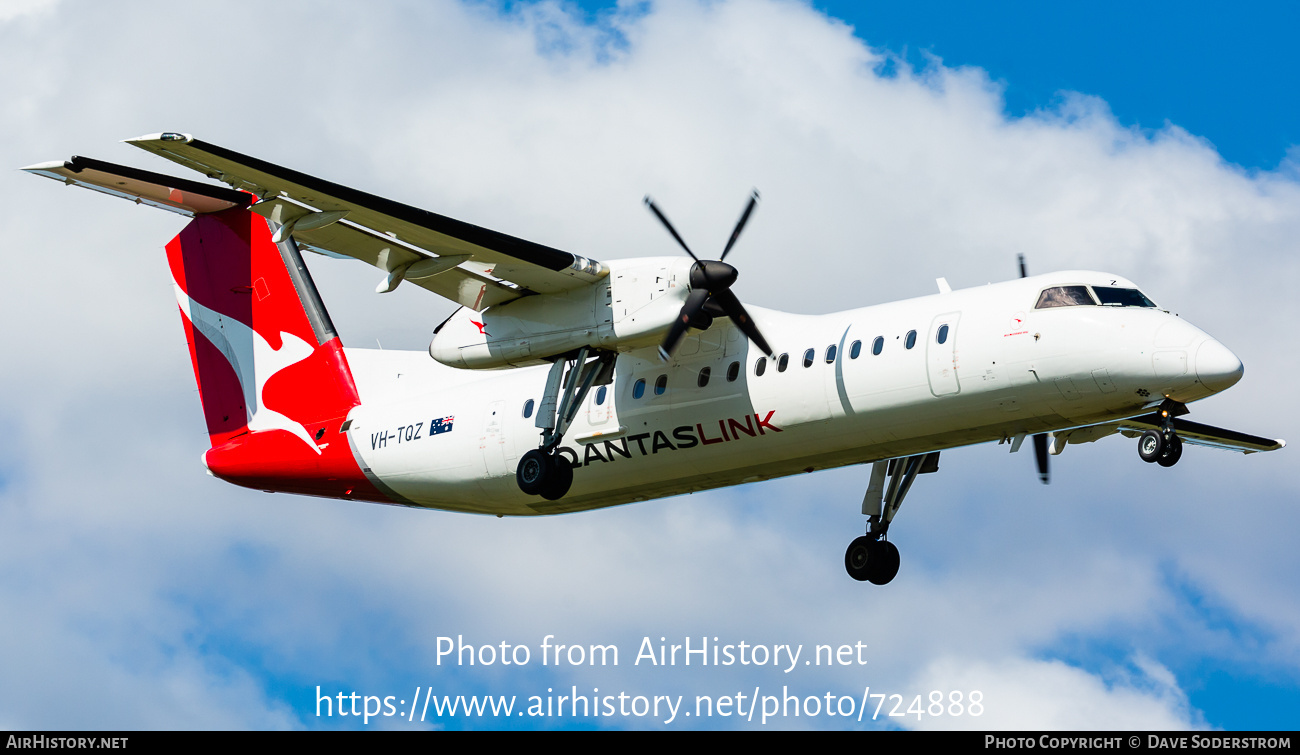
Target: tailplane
274 382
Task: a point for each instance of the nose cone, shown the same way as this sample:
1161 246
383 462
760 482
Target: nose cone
1217 367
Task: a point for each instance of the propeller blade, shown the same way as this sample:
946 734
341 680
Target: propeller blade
740 224
736 311
653 208
1040 456
694 303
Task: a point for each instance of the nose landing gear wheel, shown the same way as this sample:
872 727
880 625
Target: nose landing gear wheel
870 560
1150 446
1173 451
1158 448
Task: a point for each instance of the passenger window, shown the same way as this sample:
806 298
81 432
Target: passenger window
704 377
808 357
942 336
855 350
1064 296
638 390
782 363
911 339
661 385
528 408
830 354
878 345
760 367
600 396
733 372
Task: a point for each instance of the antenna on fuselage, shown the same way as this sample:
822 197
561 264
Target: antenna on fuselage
1024 272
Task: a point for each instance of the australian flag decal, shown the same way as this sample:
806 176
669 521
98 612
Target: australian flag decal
440 425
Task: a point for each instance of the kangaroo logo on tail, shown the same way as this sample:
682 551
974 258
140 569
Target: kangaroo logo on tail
253 359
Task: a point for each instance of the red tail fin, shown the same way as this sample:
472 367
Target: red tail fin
273 379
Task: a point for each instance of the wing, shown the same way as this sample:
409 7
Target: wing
1202 435
464 262
1188 431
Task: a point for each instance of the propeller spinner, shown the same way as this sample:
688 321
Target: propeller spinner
710 294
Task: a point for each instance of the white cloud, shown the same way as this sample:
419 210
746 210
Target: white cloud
16 9
139 576
1026 694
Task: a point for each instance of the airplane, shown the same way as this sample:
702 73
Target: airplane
565 384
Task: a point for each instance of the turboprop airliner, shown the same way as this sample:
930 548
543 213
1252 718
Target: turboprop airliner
564 383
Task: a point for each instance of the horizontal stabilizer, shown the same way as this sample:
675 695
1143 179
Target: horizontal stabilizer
143 187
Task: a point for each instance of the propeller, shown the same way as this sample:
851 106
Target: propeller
1040 456
710 294
1040 440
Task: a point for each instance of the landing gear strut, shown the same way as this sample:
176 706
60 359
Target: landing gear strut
542 471
872 558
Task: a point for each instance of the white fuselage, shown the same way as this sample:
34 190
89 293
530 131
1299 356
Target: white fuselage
1004 369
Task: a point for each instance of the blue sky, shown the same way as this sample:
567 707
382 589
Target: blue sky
1223 73
1147 141
1226 74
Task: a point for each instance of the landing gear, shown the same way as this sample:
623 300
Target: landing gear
547 475
1150 445
1173 452
872 558
1162 446
1157 448
542 471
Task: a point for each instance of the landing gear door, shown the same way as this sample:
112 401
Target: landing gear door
941 355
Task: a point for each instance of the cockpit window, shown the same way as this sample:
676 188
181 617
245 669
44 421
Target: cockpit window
1064 296
1121 297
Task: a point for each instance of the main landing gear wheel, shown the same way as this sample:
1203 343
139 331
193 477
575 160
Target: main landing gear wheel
871 560
547 475
532 472
560 481
857 557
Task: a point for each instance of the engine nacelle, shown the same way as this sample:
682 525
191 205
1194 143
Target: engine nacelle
630 308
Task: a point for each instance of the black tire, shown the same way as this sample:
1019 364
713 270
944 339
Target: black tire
534 470
858 558
559 479
885 562
1172 453
1151 446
